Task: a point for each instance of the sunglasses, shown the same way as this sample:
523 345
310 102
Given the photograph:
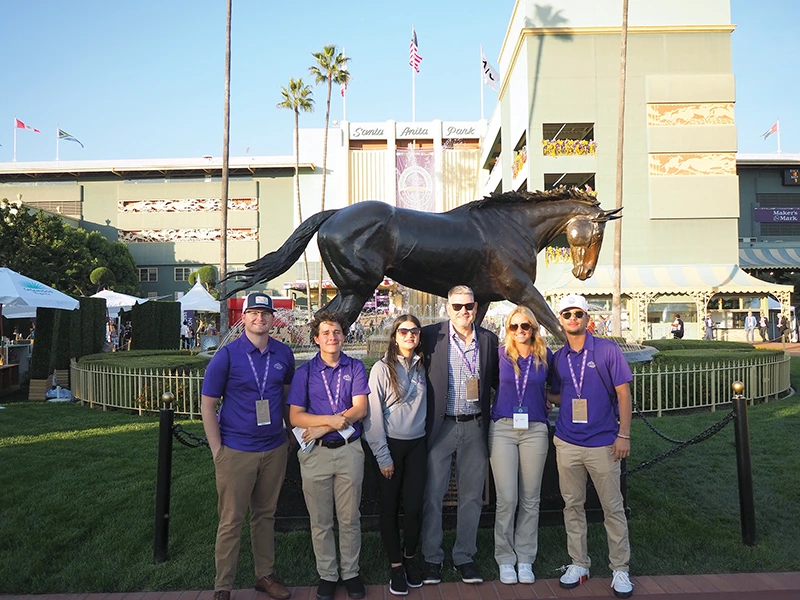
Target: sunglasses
567 314
457 307
523 326
406 332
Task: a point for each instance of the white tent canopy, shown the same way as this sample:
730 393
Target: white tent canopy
116 301
199 299
18 290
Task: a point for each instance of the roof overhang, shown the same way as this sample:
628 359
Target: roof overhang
769 258
668 279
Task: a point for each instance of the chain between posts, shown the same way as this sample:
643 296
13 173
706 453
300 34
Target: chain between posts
187 438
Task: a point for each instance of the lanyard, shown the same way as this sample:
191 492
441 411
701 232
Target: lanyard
262 385
334 400
521 392
470 367
578 385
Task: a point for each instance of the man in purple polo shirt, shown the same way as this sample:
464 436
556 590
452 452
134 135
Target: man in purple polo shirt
327 400
589 379
248 441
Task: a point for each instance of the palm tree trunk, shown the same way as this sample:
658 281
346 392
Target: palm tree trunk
616 297
223 203
299 206
324 175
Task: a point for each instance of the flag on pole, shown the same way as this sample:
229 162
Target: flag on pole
490 76
63 135
770 131
343 87
413 51
20 125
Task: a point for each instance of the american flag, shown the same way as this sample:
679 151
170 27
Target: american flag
413 51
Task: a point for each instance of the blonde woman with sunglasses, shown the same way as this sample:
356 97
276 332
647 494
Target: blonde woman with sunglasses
395 430
518 444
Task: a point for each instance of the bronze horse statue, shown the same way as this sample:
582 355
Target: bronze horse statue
488 244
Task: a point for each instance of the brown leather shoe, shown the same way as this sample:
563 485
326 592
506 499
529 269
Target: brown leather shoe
222 595
272 587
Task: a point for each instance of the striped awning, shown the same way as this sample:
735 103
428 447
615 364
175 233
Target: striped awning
769 258
668 279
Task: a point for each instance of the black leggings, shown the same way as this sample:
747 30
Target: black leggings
410 459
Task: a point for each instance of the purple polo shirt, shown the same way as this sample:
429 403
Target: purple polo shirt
507 400
308 389
606 368
229 376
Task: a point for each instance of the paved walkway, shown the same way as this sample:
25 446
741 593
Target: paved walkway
737 586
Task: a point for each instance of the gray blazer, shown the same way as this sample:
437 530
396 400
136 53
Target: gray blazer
436 347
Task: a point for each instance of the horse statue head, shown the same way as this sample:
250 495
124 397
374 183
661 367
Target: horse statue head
585 236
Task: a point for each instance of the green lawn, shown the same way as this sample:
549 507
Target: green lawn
78 487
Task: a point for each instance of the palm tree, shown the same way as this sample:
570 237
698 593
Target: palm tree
296 97
223 203
331 68
616 297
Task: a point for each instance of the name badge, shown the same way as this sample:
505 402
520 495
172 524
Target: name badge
473 389
347 432
580 410
262 413
520 417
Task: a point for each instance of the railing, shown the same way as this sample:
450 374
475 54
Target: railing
139 390
663 388
655 389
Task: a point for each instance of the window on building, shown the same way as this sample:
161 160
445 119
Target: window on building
182 273
152 294
578 180
178 296
568 139
148 274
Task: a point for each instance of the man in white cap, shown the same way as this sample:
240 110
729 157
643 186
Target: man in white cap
589 379
248 442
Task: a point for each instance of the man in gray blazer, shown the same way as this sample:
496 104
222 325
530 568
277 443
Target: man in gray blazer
462 369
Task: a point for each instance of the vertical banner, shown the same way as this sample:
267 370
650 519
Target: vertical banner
415 172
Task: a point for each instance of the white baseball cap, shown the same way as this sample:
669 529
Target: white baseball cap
573 301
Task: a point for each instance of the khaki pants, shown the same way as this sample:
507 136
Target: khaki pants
245 479
333 477
574 462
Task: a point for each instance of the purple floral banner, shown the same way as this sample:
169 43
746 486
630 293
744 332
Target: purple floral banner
415 177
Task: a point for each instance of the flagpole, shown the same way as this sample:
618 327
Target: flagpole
57 143
481 80
15 138
778 123
413 87
344 92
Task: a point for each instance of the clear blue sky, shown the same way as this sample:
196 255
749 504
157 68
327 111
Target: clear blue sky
145 79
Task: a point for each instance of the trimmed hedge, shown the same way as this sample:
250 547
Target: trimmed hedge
91 327
149 359
43 344
156 326
60 346
705 345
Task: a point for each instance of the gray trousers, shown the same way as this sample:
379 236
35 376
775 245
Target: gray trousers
467 441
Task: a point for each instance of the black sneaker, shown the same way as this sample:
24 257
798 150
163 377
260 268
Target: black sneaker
414 576
432 573
397 583
326 589
469 573
355 587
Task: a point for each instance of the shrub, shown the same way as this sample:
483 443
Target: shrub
156 326
42 346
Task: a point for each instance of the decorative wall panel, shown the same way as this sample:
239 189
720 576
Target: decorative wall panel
248 234
712 163
185 205
701 113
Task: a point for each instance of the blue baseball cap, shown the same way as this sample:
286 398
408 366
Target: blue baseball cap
258 300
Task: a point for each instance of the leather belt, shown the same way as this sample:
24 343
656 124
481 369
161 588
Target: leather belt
463 418
337 443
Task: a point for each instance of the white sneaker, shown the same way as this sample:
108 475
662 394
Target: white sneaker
574 576
621 583
525 571
507 574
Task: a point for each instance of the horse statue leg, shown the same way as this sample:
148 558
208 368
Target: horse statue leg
529 296
349 303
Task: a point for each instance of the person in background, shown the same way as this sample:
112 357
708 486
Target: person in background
395 430
186 335
763 327
518 441
708 326
677 329
251 376
750 323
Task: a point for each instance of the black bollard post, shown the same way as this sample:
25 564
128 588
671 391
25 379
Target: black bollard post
163 480
747 509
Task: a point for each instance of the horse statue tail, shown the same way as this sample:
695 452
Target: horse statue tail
278 262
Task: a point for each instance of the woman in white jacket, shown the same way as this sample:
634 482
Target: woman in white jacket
395 430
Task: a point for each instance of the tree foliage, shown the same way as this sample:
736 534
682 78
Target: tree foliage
43 247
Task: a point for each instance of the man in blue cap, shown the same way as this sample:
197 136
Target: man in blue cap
249 444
